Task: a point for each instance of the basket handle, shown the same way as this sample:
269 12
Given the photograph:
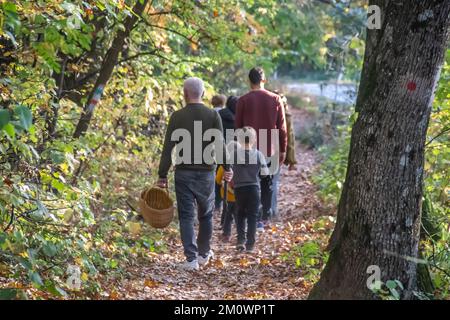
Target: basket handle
162 183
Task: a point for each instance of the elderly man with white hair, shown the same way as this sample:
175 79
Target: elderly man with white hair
194 173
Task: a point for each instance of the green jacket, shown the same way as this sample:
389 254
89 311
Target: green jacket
184 119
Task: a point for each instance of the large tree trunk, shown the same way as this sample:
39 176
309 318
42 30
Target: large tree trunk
107 68
379 211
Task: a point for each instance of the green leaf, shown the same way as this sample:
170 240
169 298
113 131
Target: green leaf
113 263
36 279
49 249
399 284
25 117
395 294
55 290
25 263
58 185
4 117
42 208
391 284
8 294
9 129
57 157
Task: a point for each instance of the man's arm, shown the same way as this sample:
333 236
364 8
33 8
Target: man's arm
281 126
166 155
218 125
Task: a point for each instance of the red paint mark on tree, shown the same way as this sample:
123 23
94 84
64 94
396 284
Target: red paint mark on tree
411 86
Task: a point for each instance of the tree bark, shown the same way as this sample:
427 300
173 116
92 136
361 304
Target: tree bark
107 68
378 219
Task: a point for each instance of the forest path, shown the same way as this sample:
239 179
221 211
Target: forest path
268 273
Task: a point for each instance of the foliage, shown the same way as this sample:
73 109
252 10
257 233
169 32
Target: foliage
308 256
313 43
390 290
68 201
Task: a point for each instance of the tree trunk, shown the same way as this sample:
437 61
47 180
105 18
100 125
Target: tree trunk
107 68
378 219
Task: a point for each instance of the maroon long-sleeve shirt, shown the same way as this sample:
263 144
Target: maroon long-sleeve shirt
261 109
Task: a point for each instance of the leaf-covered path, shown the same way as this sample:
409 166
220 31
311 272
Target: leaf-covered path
269 273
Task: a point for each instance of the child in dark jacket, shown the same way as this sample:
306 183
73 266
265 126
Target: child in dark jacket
248 165
227 114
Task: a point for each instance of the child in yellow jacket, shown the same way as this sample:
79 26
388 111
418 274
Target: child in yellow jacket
229 215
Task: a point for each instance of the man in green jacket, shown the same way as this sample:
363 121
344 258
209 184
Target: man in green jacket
188 131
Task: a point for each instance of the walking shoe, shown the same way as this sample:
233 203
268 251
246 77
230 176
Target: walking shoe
225 238
190 265
249 249
240 247
203 260
260 226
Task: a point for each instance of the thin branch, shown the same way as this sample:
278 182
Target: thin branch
137 55
87 77
445 130
10 221
171 30
159 13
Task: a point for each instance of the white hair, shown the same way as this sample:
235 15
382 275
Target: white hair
194 87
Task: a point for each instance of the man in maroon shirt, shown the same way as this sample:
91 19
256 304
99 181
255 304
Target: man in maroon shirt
263 110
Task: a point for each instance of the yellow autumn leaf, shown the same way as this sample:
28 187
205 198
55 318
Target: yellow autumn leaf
114 295
328 36
64 167
3 268
84 276
134 227
68 214
150 283
218 263
265 262
117 234
323 51
244 262
194 46
88 245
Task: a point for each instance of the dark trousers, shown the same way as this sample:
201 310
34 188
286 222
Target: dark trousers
247 202
217 197
266 198
229 216
195 187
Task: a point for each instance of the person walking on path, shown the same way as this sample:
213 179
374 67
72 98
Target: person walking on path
290 160
218 102
249 166
263 111
194 174
227 115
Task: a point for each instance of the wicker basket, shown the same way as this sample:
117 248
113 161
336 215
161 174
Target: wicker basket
156 207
